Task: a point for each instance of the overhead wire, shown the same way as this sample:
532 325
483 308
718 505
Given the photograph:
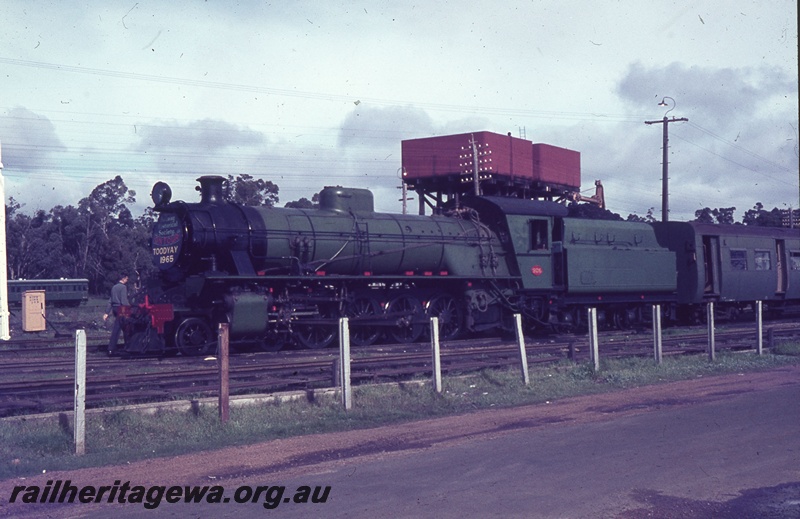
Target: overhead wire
551 114
735 162
738 147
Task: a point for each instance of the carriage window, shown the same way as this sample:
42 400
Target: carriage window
794 260
762 260
739 260
538 234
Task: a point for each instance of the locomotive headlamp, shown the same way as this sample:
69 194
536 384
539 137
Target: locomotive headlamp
161 194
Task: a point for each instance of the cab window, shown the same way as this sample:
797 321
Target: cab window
538 229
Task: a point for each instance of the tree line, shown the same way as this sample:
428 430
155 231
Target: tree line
757 216
99 238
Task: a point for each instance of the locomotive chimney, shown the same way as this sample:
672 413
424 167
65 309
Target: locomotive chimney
211 189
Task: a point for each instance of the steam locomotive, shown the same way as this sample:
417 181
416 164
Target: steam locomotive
282 276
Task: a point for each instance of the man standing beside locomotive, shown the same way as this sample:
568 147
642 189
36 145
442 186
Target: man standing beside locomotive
119 297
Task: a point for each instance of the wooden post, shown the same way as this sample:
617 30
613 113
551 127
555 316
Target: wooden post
344 359
657 347
594 349
437 360
79 432
224 396
523 355
759 329
710 319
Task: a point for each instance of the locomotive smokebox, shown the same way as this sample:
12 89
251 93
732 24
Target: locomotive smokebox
211 189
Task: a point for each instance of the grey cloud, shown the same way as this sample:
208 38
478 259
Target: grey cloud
739 146
29 140
207 134
370 125
200 147
716 97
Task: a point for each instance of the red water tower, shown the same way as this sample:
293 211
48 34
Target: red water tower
442 169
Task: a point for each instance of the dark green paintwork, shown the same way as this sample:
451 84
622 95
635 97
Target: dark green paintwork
335 242
247 313
596 256
610 257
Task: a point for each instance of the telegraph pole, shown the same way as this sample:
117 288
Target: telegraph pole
664 160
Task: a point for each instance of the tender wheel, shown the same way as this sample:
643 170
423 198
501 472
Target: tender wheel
734 314
569 321
363 309
450 314
623 318
407 315
195 337
317 334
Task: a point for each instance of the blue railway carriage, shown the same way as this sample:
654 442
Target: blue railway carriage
57 292
733 265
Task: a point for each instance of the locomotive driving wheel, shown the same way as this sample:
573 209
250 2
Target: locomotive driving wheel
195 337
363 309
318 332
450 315
406 313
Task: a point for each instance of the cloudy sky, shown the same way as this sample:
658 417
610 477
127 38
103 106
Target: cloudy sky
308 93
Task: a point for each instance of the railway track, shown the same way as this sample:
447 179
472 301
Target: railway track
31 381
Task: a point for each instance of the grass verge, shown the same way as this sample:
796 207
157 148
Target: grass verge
117 437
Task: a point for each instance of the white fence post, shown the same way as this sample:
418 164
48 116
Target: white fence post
344 359
523 356
5 333
759 329
710 320
594 349
79 432
437 360
657 347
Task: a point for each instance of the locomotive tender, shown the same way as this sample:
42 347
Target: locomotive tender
281 275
